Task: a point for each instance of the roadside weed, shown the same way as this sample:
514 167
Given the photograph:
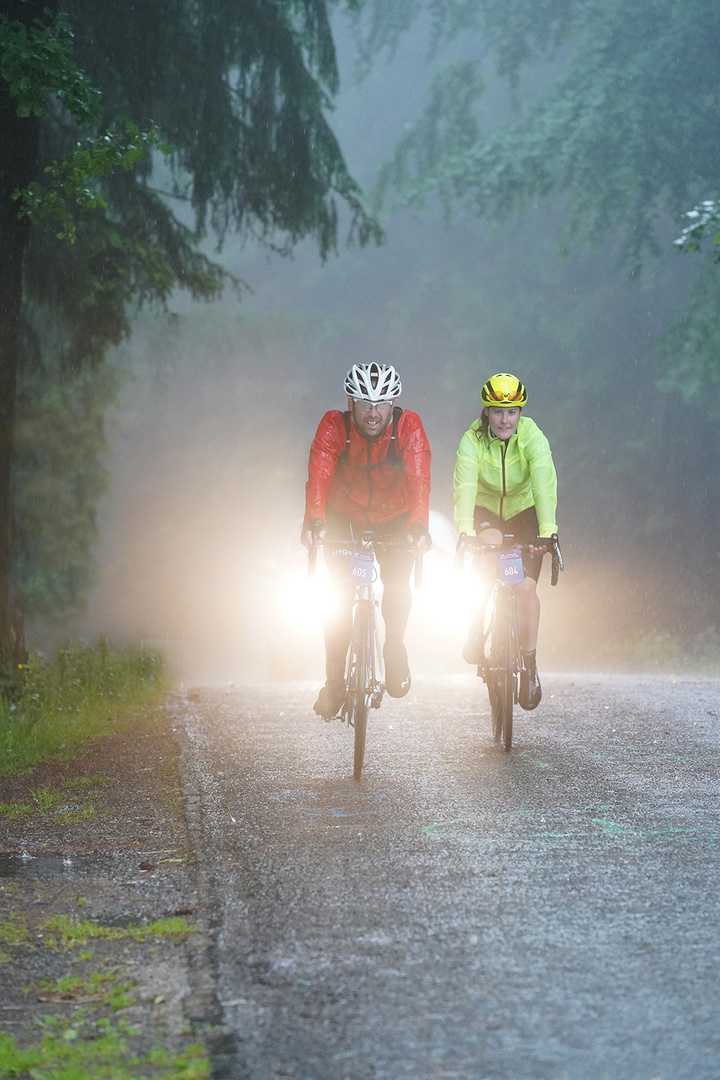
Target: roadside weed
71 801
77 1050
84 694
72 817
98 987
83 1037
15 810
45 798
13 931
62 932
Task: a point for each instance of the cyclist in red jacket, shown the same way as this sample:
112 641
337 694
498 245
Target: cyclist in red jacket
369 468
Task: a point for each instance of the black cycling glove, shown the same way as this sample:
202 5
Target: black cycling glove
418 532
316 526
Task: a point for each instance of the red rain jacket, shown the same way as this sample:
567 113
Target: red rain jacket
362 486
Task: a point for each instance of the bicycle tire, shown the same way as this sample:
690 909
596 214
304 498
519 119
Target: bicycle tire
501 682
360 689
360 730
506 694
495 709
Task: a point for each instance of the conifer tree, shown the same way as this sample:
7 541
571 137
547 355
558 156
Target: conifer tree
94 220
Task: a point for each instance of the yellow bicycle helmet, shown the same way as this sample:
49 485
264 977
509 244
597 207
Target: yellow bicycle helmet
504 391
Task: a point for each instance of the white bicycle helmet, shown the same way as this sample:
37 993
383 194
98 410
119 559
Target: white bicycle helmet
373 382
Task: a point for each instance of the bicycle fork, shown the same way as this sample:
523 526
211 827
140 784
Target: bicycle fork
505 649
366 671
378 665
375 669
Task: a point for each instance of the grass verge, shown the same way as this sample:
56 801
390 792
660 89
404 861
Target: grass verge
78 1050
84 694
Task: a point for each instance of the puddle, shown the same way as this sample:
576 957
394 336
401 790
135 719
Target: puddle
77 864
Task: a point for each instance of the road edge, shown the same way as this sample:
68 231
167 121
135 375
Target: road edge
203 1007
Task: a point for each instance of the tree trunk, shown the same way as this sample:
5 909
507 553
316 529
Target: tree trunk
19 139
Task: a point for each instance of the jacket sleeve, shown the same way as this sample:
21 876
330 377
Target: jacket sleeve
543 480
328 444
465 481
416 460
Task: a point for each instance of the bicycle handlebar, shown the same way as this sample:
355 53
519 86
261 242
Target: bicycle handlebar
557 561
373 545
551 545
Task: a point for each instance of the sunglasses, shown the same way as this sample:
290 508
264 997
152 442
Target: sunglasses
368 406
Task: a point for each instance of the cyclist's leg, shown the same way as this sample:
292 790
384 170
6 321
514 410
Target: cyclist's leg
397 597
396 604
338 626
525 527
528 603
487 528
395 566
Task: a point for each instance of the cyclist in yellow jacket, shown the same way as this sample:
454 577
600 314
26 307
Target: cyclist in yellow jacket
505 482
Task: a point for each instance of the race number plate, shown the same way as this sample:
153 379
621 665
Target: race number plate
510 567
360 567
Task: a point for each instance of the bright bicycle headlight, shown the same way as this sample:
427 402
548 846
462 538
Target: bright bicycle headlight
306 602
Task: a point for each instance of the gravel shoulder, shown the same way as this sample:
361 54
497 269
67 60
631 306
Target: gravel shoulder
101 918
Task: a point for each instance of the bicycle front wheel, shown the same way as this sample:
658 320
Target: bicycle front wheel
360 686
360 729
500 680
505 697
496 708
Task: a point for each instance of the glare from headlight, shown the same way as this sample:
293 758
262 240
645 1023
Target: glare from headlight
444 603
306 602
447 598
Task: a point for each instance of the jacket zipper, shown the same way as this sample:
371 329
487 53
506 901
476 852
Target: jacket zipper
369 473
503 451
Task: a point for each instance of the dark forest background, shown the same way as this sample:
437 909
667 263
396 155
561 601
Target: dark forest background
588 301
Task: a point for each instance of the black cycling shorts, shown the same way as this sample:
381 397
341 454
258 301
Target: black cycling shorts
523 527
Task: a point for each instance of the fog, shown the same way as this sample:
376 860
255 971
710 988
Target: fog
208 448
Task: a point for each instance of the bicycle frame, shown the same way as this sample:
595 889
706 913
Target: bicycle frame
501 672
365 669
503 663
365 674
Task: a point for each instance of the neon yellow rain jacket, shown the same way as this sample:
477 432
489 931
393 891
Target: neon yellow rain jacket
506 477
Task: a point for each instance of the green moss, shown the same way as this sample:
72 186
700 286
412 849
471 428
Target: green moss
77 1050
71 817
13 931
99 988
62 932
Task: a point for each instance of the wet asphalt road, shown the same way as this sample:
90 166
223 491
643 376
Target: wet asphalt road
552 914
